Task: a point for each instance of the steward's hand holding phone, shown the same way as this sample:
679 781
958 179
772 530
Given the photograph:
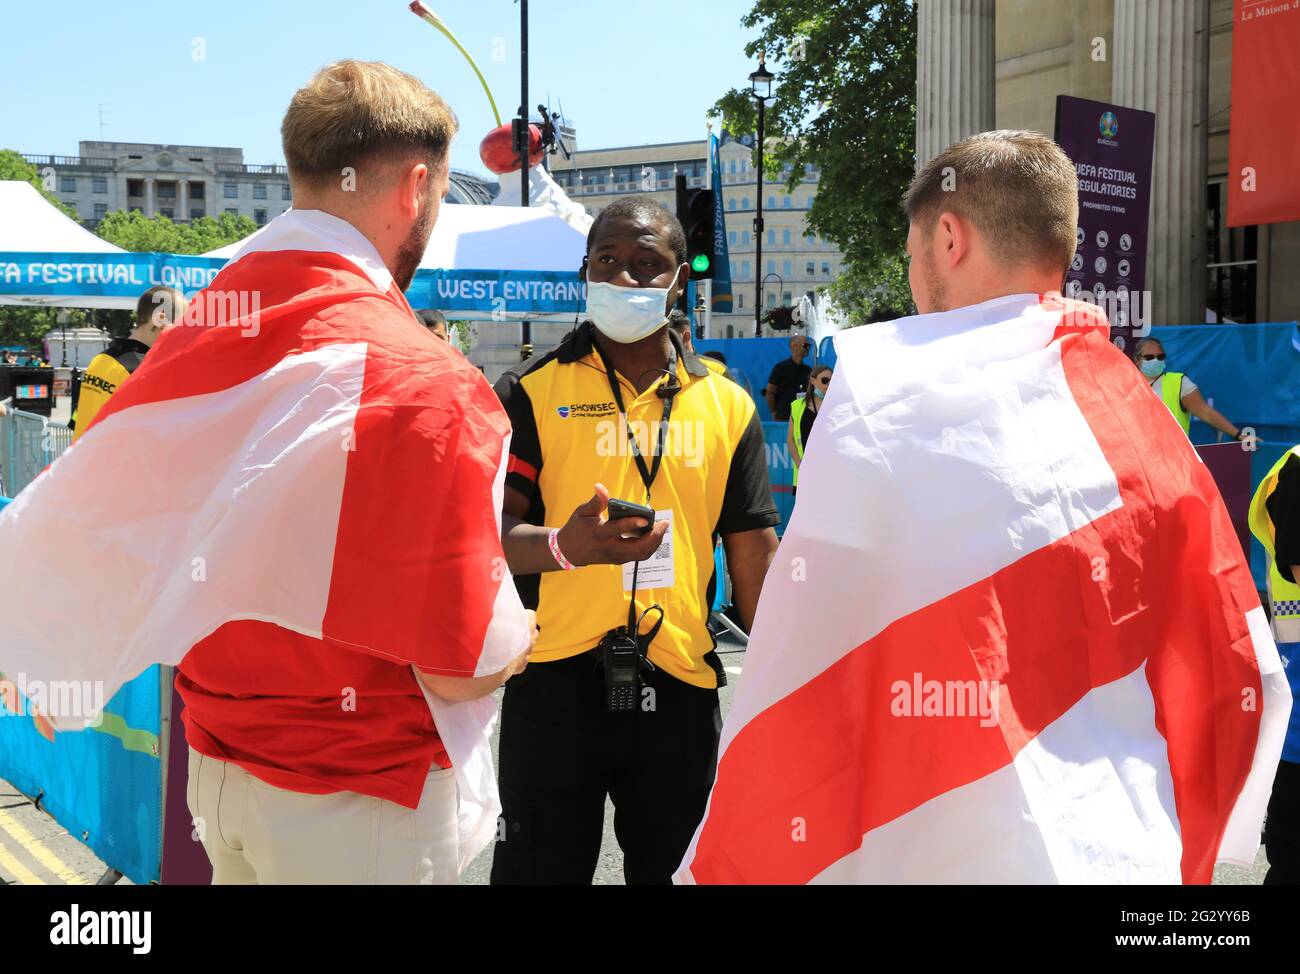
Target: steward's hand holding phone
589 539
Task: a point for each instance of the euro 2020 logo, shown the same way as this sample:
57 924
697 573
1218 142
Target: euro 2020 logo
1108 125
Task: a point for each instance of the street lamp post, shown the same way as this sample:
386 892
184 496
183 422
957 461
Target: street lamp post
62 318
761 85
779 279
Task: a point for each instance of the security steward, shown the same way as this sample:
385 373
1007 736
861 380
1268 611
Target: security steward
158 308
620 410
1275 521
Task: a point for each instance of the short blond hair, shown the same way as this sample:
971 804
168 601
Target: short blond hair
160 305
1018 188
353 112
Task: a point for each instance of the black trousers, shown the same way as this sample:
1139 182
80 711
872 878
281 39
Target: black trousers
562 752
1282 827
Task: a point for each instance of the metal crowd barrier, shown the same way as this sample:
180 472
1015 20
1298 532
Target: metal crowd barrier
28 444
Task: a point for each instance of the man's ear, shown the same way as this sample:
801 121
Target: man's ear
683 278
416 182
952 239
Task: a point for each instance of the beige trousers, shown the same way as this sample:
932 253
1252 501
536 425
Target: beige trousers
256 833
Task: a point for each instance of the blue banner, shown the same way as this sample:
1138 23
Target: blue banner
55 275
721 269
103 784
504 292
59 275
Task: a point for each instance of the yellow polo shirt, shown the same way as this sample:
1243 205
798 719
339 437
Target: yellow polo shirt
713 479
106 371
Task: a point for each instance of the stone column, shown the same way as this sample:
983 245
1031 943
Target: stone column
148 196
1159 66
183 196
954 73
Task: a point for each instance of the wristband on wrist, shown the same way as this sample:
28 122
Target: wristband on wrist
553 540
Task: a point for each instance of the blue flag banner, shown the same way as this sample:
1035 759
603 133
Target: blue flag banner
517 292
722 269
32 274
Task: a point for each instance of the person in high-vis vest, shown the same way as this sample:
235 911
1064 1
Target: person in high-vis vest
803 413
158 308
1275 521
1177 390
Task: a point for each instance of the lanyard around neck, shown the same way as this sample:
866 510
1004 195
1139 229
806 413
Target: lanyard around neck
666 393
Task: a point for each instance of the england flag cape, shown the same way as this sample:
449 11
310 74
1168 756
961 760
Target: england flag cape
1009 635
298 452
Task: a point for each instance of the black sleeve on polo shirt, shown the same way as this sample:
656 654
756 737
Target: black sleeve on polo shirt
774 377
525 447
1283 507
747 503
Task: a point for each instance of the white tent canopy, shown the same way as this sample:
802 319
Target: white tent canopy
491 262
49 260
28 222
34 231
503 238
489 237
496 262
502 263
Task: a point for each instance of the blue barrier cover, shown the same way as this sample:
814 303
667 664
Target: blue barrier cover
780 471
104 785
1251 373
750 361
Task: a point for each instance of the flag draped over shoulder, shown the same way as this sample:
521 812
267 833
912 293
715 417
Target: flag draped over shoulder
297 453
1009 635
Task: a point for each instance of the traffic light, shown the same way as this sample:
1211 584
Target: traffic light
697 215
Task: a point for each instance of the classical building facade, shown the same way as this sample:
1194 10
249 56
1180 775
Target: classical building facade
185 182
978 69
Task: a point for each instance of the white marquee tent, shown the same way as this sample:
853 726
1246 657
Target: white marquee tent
33 232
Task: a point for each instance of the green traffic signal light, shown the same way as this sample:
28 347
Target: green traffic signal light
700 264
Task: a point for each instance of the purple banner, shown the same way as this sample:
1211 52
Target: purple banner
184 863
1111 148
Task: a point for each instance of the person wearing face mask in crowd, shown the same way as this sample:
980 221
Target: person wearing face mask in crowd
1177 390
803 413
622 409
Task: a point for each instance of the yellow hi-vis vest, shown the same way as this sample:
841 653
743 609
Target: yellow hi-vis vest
1171 384
1284 595
796 428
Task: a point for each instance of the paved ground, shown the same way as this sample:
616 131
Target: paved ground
36 849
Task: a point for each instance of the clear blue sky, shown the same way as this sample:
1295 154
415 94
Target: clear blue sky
617 67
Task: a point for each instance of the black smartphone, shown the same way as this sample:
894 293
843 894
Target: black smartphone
620 509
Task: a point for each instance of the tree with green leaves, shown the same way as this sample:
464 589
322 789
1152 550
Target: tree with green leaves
14 166
26 327
129 230
844 100
132 230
